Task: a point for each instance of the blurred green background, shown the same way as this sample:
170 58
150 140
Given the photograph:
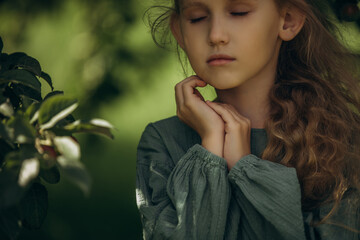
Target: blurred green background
102 53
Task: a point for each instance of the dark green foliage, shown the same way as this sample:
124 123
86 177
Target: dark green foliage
53 107
9 225
47 78
33 206
36 143
11 192
51 175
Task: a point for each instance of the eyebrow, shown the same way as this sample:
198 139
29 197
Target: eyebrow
201 4
192 4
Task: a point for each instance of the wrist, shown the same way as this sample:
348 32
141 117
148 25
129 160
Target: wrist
233 157
214 144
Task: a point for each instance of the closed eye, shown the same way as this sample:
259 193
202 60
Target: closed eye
239 13
195 20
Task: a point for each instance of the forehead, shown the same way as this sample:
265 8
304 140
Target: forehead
190 3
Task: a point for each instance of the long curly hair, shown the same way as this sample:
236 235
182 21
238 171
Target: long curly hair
314 121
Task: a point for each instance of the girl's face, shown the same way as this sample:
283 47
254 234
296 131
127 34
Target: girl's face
230 42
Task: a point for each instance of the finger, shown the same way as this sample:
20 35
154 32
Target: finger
223 112
232 111
179 95
184 101
235 113
189 86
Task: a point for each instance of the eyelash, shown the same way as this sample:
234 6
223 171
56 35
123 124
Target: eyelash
196 20
239 13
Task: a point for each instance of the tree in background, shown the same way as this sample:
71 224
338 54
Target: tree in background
35 142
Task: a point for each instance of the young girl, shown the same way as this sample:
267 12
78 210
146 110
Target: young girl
276 155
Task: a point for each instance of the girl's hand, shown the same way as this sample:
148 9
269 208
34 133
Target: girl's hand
237 132
192 110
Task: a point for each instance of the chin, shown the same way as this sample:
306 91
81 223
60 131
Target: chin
223 82
222 85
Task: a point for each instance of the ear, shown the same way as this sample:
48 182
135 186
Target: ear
293 21
176 30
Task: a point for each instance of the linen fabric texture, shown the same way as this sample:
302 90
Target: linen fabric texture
184 191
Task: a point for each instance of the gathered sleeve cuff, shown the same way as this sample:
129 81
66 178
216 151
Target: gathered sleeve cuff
273 190
199 189
183 200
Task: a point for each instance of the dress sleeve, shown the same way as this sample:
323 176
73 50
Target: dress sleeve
268 194
184 200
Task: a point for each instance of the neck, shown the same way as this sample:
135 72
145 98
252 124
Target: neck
250 99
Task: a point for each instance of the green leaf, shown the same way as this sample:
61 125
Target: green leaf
9 223
28 92
30 64
14 58
93 126
20 130
32 112
53 93
21 76
55 109
68 119
47 78
8 62
34 206
76 172
51 175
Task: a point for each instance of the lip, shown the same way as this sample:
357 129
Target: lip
219 59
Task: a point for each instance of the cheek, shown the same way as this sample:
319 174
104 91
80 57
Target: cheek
266 40
195 63
195 52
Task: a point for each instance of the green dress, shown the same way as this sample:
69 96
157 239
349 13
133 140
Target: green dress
184 191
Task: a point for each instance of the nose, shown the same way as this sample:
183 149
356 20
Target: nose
218 34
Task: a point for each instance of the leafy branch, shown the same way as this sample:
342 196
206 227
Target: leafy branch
36 143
